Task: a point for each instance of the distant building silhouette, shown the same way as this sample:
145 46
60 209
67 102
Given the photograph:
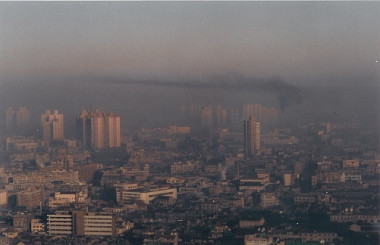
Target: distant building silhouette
260 112
22 118
220 116
207 117
17 121
10 119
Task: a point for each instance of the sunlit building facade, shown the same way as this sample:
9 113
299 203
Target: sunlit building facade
52 126
98 130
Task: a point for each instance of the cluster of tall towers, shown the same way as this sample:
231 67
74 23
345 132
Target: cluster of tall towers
218 116
17 121
98 129
95 130
214 116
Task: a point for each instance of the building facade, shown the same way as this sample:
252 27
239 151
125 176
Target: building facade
52 126
251 137
81 223
98 130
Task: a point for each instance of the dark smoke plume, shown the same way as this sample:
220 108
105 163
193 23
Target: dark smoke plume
286 94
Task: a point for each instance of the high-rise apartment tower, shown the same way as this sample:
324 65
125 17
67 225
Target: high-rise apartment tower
98 130
52 126
251 137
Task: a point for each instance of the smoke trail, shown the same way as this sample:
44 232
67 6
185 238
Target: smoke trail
286 94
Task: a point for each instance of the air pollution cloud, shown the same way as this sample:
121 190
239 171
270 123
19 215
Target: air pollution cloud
286 94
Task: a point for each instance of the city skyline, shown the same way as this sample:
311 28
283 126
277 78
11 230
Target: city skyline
190 123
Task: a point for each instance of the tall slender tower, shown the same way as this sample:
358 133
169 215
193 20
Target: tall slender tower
112 127
83 129
251 137
97 130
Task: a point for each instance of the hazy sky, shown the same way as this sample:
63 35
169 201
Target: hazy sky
300 42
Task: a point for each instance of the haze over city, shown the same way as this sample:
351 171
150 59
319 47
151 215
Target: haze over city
190 122
52 51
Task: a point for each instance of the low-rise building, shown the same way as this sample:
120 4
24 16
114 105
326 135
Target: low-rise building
79 222
251 223
60 224
147 196
37 226
269 200
256 240
344 218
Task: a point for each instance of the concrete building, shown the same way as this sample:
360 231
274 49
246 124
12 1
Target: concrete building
344 218
81 223
60 224
98 130
251 223
251 137
22 221
148 196
179 167
256 240
30 198
112 127
121 188
37 225
99 225
21 144
52 126
86 172
66 198
289 180
268 199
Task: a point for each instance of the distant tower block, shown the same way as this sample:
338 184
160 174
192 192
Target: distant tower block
251 137
10 119
52 126
98 130
22 118
221 116
207 117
